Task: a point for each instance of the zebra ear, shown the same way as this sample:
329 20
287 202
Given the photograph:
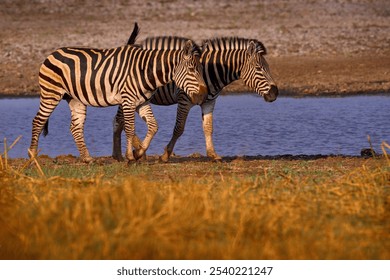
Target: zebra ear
205 45
252 48
188 48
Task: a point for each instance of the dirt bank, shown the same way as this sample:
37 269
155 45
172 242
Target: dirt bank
315 47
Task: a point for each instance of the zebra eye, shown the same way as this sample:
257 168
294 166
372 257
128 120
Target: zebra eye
191 69
259 68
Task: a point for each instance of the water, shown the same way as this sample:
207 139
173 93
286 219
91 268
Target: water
243 125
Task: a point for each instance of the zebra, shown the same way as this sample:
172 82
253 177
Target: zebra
126 75
224 60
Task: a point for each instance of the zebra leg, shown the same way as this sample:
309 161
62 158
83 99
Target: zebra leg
146 114
46 107
129 124
117 135
207 120
78 113
137 144
118 124
183 108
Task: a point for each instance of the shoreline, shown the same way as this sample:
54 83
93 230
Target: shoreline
194 158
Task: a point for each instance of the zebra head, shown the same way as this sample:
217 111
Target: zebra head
188 74
256 74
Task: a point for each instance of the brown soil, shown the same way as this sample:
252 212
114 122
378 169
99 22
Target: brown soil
315 47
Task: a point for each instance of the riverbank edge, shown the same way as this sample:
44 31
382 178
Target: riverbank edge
199 158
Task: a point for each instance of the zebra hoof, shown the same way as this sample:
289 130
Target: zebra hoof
214 157
132 162
164 158
118 157
217 159
88 160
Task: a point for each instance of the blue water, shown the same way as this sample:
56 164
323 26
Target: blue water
243 125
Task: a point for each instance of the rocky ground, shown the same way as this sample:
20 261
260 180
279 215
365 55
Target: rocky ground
315 47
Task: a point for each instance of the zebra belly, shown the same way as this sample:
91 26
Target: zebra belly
114 99
97 98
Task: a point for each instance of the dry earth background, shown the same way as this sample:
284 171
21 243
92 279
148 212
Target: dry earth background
315 47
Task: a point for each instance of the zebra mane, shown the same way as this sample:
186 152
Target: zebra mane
168 43
232 43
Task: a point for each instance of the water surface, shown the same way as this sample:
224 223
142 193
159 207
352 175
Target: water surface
243 125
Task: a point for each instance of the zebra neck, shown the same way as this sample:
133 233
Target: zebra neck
221 67
159 67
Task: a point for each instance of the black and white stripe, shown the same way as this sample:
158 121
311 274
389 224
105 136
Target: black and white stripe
126 75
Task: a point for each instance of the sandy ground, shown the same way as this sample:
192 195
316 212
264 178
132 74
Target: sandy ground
315 47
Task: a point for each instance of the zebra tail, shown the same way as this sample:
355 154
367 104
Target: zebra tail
133 35
46 128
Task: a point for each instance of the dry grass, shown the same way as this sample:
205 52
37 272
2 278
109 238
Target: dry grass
289 215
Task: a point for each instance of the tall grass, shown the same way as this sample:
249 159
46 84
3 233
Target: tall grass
263 217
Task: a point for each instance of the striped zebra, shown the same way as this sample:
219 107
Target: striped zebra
126 75
224 61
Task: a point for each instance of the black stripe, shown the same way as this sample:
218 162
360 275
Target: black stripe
105 72
92 53
50 90
123 63
141 64
57 69
220 68
50 80
151 77
211 72
70 62
83 71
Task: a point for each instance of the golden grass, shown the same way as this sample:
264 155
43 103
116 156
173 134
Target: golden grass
289 216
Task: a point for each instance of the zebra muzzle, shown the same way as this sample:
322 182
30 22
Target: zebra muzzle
272 94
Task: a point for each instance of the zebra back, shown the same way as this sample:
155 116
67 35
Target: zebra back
232 43
169 43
